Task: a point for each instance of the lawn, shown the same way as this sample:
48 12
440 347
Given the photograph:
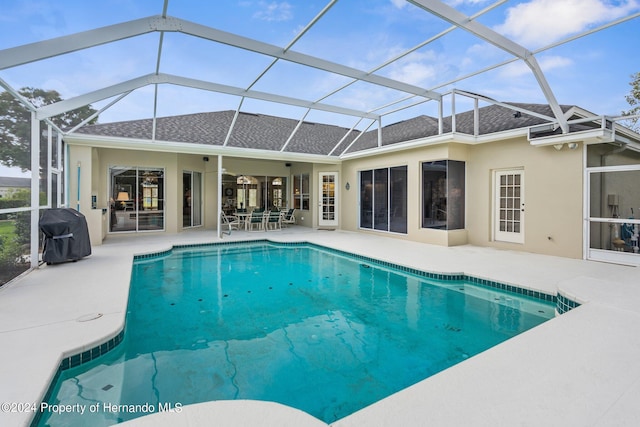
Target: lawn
7 227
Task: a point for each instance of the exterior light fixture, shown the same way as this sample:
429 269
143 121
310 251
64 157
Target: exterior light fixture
572 145
558 147
347 186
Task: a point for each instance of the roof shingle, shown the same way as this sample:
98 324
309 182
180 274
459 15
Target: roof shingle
265 132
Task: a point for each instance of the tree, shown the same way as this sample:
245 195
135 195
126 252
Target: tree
15 124
633 98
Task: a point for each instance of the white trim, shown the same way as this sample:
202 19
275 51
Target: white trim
336 199
507 236
190 148
625 258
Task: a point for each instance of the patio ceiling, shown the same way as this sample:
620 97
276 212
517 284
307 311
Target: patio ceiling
297 77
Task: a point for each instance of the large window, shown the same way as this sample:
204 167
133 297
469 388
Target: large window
137 199
254 192
383 199
443 194
301 192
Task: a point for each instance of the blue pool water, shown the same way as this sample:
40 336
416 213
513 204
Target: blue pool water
297 324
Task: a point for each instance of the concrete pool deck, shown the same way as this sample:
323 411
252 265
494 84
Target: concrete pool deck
581 368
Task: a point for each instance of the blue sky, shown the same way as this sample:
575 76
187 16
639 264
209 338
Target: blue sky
592 72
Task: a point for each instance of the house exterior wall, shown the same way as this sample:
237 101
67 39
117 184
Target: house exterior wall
412 159
553 187
553 194
94 181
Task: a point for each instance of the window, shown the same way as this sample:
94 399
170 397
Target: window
254 191
383 199
301 192
443 194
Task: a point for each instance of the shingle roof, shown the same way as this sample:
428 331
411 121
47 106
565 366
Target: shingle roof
260 131
492 119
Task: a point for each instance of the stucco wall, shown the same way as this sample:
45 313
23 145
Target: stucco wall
553 188
412 159
553 194
95 164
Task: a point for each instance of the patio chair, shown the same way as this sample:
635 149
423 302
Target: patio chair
288 218
274 220
256 220
229 222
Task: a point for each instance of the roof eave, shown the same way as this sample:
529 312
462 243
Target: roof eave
99 141
451 137
593 136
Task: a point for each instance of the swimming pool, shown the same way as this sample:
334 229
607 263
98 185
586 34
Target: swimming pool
315 329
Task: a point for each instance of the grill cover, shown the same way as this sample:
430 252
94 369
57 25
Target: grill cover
66 235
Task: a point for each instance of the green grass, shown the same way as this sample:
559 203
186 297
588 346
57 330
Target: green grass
7 228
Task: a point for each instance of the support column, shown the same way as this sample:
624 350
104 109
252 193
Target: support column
219 196
35 187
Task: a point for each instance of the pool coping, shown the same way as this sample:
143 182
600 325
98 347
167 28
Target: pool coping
569 291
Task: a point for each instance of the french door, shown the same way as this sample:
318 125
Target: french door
509 206
328 204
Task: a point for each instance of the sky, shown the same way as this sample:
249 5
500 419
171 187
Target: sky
593 71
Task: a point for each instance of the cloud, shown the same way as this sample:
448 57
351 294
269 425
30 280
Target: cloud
400 4
541 22
454 3
414 73
547 64
274 11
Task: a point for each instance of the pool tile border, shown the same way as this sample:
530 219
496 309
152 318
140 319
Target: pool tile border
77 360
567 303
91 354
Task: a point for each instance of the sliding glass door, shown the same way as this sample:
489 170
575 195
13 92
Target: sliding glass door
191 199
137 199
383 199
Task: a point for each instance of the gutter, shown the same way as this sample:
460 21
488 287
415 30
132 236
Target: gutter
191 148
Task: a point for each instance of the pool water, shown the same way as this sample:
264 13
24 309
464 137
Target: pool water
301 325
